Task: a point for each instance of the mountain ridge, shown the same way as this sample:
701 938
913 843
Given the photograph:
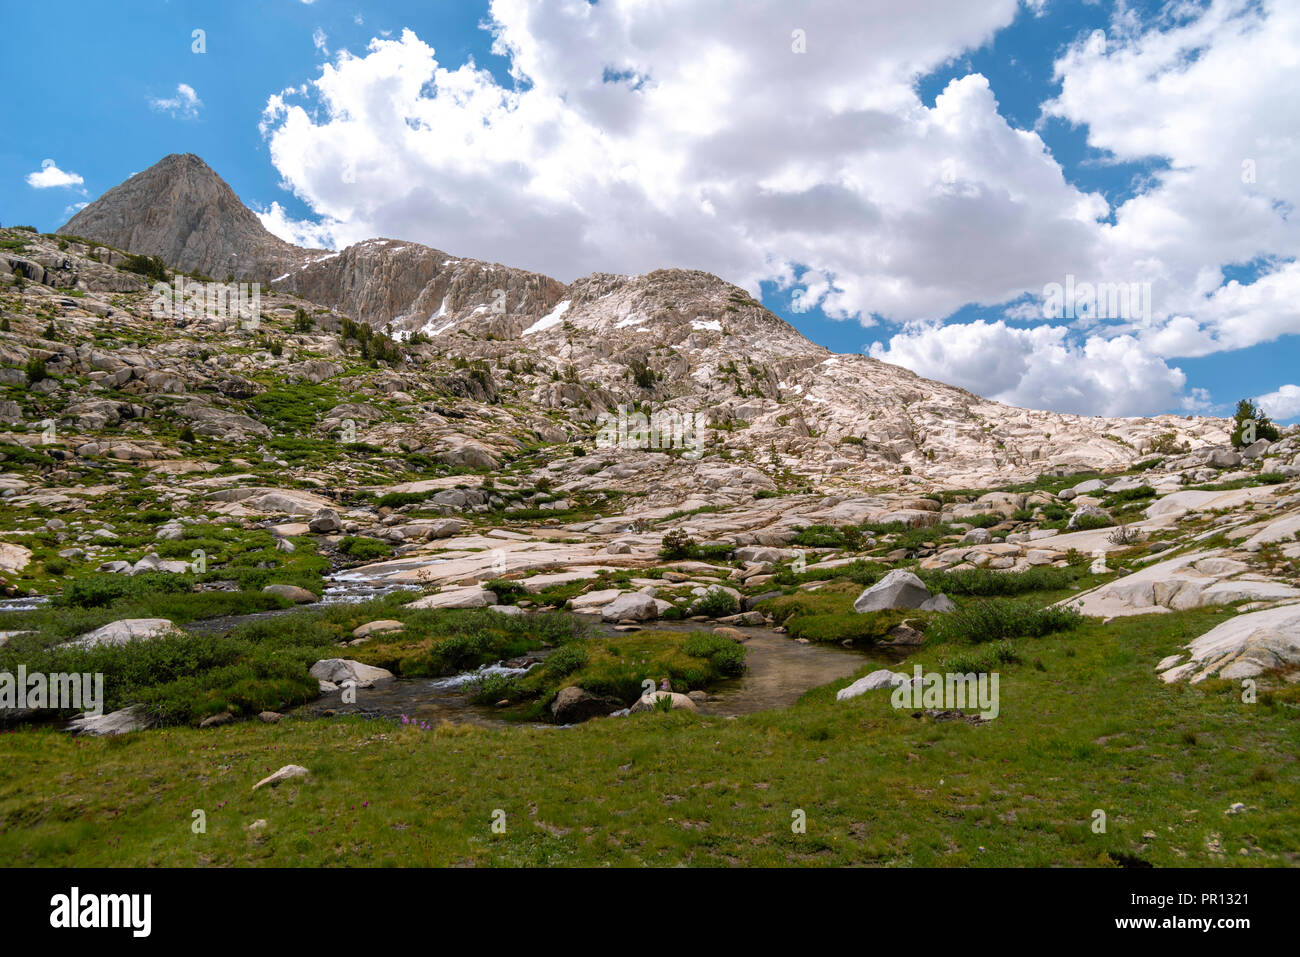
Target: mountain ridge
670 337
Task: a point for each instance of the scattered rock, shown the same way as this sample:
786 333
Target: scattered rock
631 605
286 773
574 705
376 627
299 596
325 521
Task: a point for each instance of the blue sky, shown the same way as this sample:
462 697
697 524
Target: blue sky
591 158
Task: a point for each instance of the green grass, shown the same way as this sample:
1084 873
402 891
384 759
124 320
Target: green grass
860 628
619 667
1092 728
293 408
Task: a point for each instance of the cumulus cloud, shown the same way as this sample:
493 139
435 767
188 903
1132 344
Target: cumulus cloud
1039 366
1281 404
185 104
300 232
637 136
50 176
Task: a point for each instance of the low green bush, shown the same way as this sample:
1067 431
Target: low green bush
984 581
716 603
363 548
986 621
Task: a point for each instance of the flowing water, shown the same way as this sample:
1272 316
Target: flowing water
778 669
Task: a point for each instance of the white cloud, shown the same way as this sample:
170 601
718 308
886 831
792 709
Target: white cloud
319 39
49 176
300 232
1040 366
1231 148
1282 404
185 104
676 134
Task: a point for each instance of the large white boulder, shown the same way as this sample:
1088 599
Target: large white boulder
115 722
125 630
1241 647
468 597
884 678
333 673
647 702
898 589
632 605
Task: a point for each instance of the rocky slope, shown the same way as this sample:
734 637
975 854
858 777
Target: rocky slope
671 339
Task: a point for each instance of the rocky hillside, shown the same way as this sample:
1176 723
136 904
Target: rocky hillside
671 339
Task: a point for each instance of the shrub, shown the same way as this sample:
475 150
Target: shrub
1131 495
986 621
677 545
100 591
362 548
566 659
828 536
1088 523
492 687
35 370
984 581
398 499
507 592
1248 414
151 267
859 571
715 603
293 409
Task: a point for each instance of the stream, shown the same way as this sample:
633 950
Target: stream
778 671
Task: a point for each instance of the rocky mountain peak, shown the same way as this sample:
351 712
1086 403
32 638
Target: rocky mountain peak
181 210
